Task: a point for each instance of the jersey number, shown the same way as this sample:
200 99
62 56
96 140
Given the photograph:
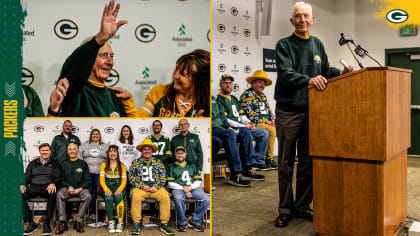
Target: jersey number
235 111
161 147
186 177
147 174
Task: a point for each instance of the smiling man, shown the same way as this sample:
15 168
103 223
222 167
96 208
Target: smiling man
164 152
301 61
81 89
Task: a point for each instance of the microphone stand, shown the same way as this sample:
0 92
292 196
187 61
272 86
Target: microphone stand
355 58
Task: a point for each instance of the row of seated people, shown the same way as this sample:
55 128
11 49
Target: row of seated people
148 177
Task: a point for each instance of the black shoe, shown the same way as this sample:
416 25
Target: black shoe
78 227
195 227
46 229
63 227
182 228
283 220
261 167
251 174
306 214
238 180
31 228
271 163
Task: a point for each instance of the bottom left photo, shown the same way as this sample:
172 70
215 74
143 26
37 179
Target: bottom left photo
104 176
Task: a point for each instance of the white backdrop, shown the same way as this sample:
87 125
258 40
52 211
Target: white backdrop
37 131
179 26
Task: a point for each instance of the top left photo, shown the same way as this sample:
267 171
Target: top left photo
103 58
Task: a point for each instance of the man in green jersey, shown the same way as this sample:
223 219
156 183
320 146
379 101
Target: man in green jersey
164 152
185 182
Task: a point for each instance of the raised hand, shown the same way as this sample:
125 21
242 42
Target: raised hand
109 24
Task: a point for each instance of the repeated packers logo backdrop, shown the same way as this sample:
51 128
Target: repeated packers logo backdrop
233 42
147 41
37 131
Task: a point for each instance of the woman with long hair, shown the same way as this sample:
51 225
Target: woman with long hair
127 146
189 93
113 179
93 152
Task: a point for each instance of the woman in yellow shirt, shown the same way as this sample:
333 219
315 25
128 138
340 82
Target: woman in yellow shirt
113 179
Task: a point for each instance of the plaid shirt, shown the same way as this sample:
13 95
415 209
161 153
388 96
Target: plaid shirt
255 106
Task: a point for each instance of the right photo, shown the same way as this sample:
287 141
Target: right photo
315 127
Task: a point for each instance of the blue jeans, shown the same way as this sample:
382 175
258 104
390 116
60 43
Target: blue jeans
93 189
246 148
203 203
261 138
227 137
216 144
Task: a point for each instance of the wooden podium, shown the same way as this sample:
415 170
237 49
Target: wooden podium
359 129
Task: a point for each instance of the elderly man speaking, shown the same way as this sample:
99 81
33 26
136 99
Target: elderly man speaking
301 61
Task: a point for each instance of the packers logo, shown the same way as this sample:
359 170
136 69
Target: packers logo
109 130
143 130
113 79
79 170
74 129
176 130
221 67
145 33
27 76
234 11
38 128
221 28
235 87
317 59
397 16
66 29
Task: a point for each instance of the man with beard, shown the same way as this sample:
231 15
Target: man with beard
164 145
191 143
61 142
81 91
147 178
237 119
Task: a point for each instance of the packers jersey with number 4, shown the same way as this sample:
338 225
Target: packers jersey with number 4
183 175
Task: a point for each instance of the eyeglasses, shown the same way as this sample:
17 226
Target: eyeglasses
226 82
183 124
302 16
106 55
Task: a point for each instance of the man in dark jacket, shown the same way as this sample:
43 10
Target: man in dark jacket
42 178
61 142
76 181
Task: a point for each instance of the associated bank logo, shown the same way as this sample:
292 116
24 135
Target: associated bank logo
220 9
113 79
66 29
109 130
143 130
38 128
146 72
235 69
234 11
247 69
145 33
181 39
247 52
247 32
221 67
234 31
27 76
221 49
221 28
234 49
246 15
75 129
235 87
397 16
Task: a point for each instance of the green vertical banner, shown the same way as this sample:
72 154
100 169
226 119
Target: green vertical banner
11 96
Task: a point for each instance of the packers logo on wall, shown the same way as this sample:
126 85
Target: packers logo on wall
176 130
27 76
234 49
235 87
75 129
113 79
66 29
221 67
38 128
143 130
145 33
247 69
247 32
221 28
109 130
234 11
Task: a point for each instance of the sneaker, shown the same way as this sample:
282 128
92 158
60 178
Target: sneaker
238 180
182 228
165 228
32 227
78 227
251 174
63 227
195 227
261 167
135 230
111 227
92 216
46 229
271 163
119 228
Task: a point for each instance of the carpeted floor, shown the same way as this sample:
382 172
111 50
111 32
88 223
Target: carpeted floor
252 211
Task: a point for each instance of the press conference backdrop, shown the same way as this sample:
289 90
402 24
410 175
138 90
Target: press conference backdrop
146 49
37 131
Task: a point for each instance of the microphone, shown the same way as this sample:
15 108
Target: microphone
361 52
344 39
342 62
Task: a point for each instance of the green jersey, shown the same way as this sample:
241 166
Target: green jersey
164 148
183 175
230 106
151 173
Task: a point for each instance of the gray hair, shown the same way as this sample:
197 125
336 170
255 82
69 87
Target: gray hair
301 4
70 144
